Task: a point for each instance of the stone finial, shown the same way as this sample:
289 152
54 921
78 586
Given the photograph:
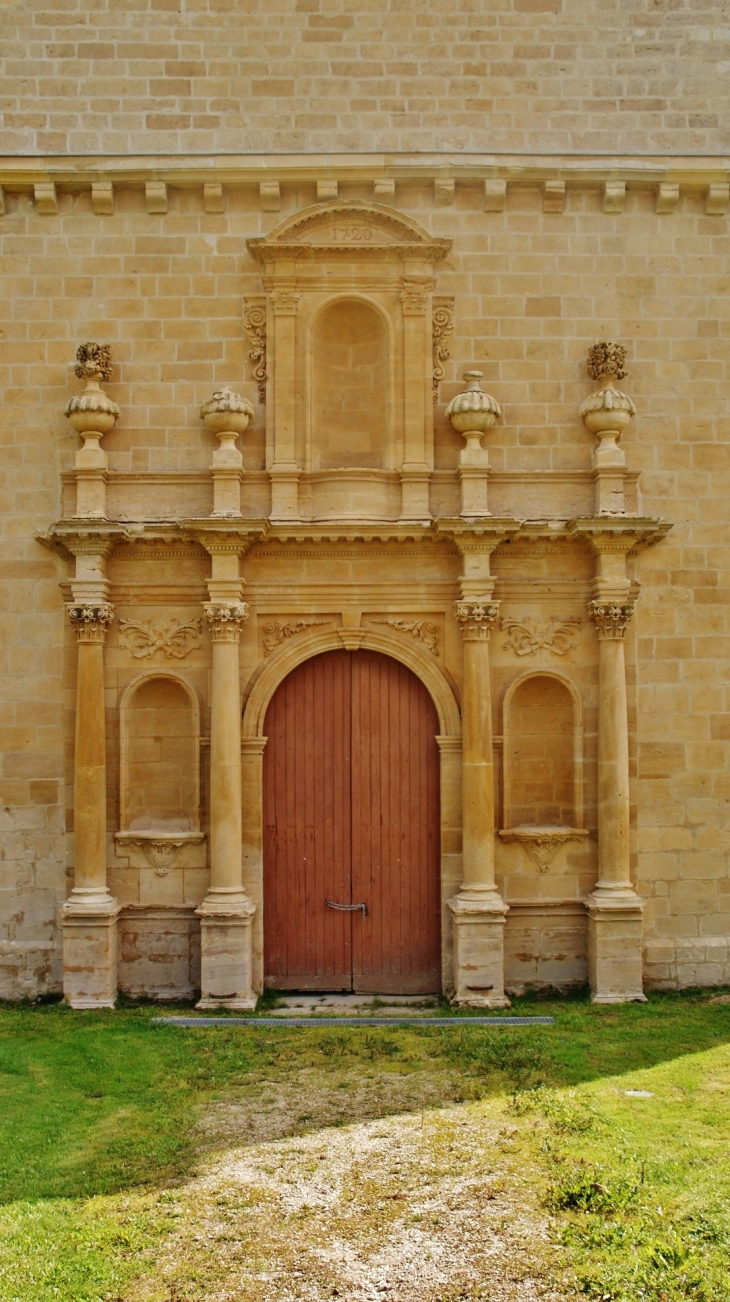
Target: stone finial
608 411
94 362
226 412
473 412
92 413
606 359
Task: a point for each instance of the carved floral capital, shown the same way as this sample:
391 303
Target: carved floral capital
91 620
476 619
611 618
226 619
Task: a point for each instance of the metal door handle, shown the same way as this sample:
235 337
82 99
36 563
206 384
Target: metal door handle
348 908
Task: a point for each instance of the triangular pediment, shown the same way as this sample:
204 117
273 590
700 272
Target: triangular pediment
348 229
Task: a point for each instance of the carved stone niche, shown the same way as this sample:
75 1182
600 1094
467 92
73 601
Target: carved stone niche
349 416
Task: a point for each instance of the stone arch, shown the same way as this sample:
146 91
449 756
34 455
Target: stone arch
292 653
186 741
575 754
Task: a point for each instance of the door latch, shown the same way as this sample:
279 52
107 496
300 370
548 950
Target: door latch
348 908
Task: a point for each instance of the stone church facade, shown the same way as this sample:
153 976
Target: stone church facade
365 442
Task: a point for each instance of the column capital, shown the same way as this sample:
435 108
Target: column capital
476 618
611 618
284 300
414 296
91 620
226 619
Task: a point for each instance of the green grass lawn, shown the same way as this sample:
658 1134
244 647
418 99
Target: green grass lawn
99 1113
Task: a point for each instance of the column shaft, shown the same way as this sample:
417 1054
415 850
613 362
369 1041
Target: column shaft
613 766
90 913
225 770
90 771
477 768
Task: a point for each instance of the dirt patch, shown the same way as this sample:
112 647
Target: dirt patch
424 1207
309 1101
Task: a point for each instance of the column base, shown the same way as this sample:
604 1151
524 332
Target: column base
415 505
615 966
225 951
284 493
89 922
479 918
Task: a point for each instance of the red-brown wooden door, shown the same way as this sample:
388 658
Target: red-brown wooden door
351 815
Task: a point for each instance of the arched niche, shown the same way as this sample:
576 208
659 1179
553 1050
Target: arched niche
542 728
160 756
349 386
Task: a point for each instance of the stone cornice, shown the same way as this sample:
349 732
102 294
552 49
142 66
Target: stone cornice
87 537
521 169
618 533
477 535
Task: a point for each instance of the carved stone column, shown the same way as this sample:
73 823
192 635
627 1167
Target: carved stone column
90 913
226 912
478 909
418 409
284 471
614 908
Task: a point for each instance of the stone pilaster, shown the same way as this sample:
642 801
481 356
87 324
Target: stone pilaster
90 913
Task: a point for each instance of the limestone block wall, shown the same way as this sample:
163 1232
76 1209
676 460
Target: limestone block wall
352 75
534 284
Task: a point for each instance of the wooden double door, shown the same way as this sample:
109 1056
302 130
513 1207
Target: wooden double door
352 829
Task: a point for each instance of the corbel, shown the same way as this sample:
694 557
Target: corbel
614 196
326 190
155 194
717 200
495 195
270 196
102 198
553 196
213 200
444 192
46 198
667 197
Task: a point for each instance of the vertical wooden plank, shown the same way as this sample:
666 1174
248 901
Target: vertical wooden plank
307 827
395 822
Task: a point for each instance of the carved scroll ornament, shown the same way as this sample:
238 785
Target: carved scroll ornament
423 630
254 323
278 630
145 637
527 637
442 328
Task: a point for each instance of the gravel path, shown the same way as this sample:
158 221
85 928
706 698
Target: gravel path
425 1207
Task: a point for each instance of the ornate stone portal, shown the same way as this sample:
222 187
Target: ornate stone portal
352 539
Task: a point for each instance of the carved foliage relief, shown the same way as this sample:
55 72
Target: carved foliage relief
145 637
527 636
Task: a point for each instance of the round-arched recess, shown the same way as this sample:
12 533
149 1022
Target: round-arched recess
542 731
160 755
351 828
349 386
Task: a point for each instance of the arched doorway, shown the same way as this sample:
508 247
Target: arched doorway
351 817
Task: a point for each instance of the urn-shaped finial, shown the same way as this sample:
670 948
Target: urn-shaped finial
92 413
226 412
473 412
608 411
